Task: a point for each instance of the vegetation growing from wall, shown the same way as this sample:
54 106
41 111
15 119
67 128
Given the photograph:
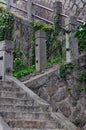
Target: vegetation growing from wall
65 69
6 24
81 36
54 47
20 66
82 76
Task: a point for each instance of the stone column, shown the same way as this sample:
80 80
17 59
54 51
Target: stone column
29 10
74 25
57 6
40 50
2 53
8 2
6 58
67 35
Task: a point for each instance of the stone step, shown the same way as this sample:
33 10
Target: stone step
7 83
18 108
13 94
9 88
35 129
31 124
15 101
25 115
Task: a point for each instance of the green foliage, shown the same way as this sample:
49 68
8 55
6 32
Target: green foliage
63 69
82 75
18 63
55 60
23 72
51 38
6 24
81 36
78 122
68 88
74 103
80 87
20 67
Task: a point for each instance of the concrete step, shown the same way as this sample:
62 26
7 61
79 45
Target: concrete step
35 129
9 88
15 101
25 115
18 108
13 94
7 83
31 124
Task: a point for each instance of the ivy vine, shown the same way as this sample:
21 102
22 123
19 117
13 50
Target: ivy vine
51 37
6 24
81 36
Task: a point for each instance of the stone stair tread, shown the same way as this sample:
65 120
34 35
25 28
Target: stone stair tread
9 88
20 107
14 94
15 98
36 129
7 105
25 115
20 123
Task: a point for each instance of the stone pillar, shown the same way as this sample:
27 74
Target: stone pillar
6 58
74 25
57 6
29 10
67 35
8 5
40 50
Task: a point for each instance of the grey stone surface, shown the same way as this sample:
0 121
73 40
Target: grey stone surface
3 125
63 95
60 94
25 110
40 50
6 55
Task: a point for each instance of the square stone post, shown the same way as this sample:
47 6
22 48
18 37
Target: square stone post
8 2
40 50
57 6
74 25
67 36
29 10
6 58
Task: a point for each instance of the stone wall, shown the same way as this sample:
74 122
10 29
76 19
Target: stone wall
70 7
65 95
22 35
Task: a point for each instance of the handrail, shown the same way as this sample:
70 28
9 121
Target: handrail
44 7
39 17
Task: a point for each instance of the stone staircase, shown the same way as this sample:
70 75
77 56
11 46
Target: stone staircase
21 109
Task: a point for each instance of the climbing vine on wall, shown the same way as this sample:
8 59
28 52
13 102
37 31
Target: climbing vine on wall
6 24
52 32
81 36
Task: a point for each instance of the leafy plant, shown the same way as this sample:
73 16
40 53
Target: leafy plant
23 72
74 103
79 87
19 64
82 75
81 36
6 24
52 43
68 88
55 60
78 122
64 67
